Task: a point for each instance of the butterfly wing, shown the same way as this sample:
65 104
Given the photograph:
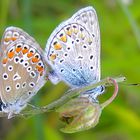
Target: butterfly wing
12 34
23 69
73 49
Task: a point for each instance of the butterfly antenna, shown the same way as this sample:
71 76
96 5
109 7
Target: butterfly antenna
103 105
131 84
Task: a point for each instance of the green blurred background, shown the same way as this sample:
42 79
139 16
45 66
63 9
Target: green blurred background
120 38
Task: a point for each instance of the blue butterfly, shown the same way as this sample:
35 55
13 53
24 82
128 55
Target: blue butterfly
73 52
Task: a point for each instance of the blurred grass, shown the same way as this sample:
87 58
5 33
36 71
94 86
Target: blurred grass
120 55
4 6
133 24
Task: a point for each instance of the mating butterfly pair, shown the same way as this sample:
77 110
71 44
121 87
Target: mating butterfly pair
72 52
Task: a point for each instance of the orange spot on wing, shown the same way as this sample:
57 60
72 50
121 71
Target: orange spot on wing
4 61
30 54
18 49
63 38
24 51
68 31
39 68
35 60
11 54
7 39
52 57
13 38
57 46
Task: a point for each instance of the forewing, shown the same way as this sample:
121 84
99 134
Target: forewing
73 49
22 71
11 34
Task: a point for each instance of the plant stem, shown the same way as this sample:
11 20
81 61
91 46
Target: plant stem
67 96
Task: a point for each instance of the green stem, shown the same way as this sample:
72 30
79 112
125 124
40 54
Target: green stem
67 96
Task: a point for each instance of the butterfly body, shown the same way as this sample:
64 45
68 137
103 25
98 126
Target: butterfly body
22 70
73 50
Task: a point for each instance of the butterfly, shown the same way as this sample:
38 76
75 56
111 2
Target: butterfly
22 70
73 52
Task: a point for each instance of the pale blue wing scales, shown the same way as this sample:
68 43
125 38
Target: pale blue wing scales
72 50
88 18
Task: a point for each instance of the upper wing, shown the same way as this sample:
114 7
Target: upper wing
73 49
22 68
11 34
